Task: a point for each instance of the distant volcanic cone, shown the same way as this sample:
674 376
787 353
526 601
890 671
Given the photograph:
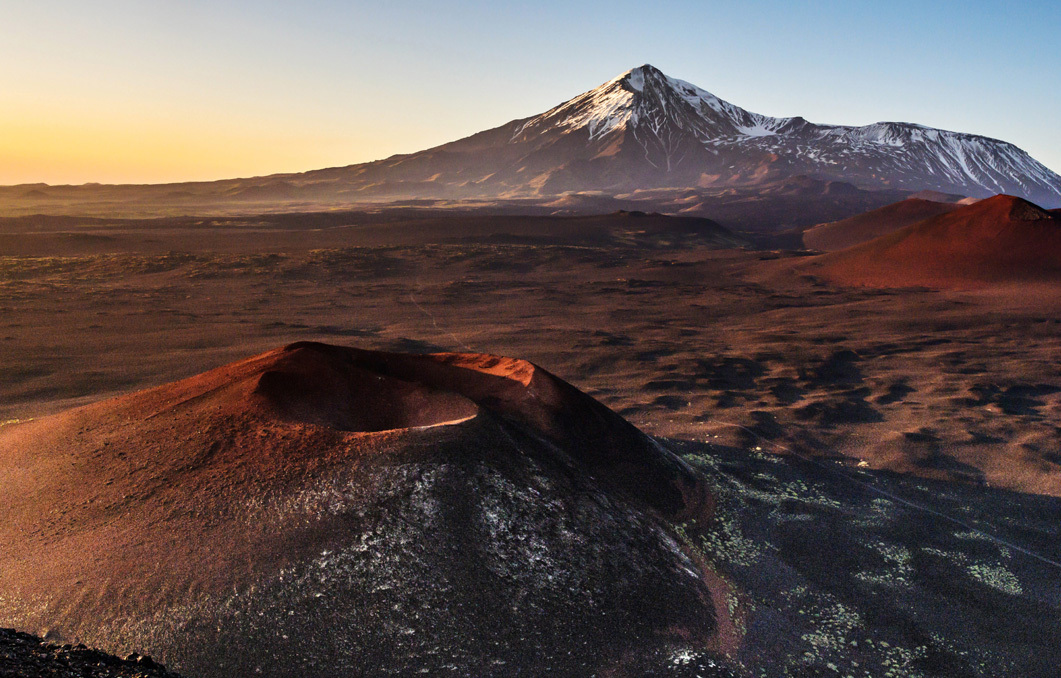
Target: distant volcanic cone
646 130
996 240
318 510
839 235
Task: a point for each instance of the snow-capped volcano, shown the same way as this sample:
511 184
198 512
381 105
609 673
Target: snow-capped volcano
645 101
688 136
645 129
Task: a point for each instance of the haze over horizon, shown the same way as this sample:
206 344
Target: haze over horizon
126 92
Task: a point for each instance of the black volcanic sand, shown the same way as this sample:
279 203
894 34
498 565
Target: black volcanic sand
727 346
841 572
25 656
850 572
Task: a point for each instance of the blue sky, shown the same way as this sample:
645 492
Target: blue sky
157 90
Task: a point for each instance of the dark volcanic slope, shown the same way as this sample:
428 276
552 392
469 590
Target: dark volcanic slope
318 510
995 240
839 235
862 573
44 235
616 229
26 656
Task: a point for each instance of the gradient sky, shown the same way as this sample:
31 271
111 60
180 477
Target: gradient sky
171 90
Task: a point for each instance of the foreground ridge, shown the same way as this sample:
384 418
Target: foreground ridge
26 656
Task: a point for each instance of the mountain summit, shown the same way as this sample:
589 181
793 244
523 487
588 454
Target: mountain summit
663 117
644 129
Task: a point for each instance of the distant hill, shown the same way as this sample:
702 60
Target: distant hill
937 196
1000 239
839 235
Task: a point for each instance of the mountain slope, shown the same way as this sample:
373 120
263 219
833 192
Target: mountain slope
644 129
640 130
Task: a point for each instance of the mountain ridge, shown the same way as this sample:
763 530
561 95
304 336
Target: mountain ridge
644 130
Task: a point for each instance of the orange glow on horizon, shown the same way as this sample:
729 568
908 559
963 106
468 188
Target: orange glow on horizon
134 148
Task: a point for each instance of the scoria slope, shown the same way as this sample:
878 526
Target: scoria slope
319 510
839 235
997 240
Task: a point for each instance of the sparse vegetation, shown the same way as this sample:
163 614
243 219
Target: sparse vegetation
867 583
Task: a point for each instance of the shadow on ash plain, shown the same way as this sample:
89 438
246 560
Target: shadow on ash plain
851 572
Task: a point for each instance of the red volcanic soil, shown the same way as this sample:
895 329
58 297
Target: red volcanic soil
1000 239
329 478
839 235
